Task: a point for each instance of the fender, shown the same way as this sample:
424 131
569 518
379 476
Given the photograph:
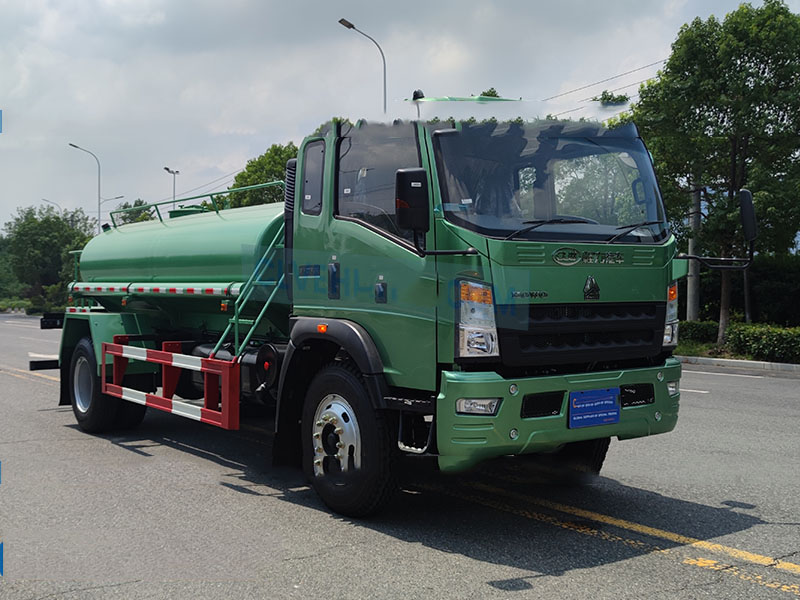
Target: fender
298 368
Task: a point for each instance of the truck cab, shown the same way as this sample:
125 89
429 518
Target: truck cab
516 282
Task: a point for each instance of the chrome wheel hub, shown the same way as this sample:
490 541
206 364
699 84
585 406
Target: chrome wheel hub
83 384
336 437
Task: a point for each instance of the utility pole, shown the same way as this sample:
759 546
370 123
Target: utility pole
693 278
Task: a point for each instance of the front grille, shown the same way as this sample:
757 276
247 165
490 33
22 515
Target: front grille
549 334
546 404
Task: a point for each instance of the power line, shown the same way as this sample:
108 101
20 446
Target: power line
622 87
184 192
604 80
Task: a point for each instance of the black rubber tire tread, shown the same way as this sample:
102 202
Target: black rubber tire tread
129 415
585 457
185 388
102 411
377 483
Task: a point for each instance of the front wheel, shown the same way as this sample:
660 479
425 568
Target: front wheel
347 451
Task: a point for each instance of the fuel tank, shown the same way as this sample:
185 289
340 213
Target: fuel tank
207 247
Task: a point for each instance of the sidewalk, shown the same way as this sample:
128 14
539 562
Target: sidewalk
740 364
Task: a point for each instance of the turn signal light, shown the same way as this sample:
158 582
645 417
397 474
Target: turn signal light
672 292
322 328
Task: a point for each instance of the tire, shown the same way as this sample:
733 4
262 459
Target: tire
584 457
129 414
347 452
94 411
185 388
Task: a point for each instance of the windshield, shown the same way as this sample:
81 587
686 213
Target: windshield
550 180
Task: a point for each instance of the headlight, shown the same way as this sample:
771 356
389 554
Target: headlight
671 319
477 332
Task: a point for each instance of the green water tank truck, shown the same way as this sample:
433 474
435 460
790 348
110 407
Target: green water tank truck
452 290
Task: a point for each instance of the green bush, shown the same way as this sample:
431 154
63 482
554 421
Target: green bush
698 331
7 304
765 342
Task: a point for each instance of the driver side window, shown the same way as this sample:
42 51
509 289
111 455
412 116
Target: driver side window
369 157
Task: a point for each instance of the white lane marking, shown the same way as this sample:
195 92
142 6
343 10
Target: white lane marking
41 340
695 391
45 356
20 325
723 374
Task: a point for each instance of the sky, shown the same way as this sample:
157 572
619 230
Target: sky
202 86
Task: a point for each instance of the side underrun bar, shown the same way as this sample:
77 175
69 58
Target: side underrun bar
220 402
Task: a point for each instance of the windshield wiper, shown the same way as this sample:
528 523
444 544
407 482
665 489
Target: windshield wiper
538 223
626 229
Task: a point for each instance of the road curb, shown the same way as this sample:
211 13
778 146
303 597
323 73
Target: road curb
741 364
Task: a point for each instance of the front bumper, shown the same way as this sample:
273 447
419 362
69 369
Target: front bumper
465 440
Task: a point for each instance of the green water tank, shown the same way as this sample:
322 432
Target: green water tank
207 247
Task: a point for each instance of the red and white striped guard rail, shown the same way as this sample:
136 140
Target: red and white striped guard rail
220 409
196 289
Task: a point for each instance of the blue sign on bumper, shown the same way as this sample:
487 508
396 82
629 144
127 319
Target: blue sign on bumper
593 407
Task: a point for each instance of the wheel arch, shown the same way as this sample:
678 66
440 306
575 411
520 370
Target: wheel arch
310 348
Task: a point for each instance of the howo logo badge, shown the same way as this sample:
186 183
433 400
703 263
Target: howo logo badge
567 256
591 291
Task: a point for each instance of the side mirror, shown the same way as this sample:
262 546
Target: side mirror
748 213
411 200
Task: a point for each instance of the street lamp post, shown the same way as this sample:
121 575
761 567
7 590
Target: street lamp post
349 25
173 173
98 180
56 204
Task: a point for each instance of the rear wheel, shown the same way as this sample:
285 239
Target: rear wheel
94 411
129 414
347 450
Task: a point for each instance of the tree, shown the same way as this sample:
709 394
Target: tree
38 242
134 216
611 99
490 93
270 166
10 286
725 114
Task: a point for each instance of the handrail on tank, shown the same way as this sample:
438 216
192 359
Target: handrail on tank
211 197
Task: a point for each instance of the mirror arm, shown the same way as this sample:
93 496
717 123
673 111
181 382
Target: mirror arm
722 264
424 252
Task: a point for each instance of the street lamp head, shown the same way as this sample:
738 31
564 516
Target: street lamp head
346 23
73 145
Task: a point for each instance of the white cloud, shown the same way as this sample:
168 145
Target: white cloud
203 85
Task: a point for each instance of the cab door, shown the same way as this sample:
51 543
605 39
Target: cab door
375 275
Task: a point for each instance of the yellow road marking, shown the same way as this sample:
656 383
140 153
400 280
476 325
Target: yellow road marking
707 563
758 559
31 373
704 563
23 377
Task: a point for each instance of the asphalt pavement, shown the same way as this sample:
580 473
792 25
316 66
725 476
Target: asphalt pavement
178 509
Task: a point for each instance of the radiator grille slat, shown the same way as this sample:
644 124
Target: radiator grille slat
570 333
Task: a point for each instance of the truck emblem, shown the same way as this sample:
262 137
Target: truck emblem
591 291
567 256
570 256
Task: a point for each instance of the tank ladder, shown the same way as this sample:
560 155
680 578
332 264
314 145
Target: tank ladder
237 322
